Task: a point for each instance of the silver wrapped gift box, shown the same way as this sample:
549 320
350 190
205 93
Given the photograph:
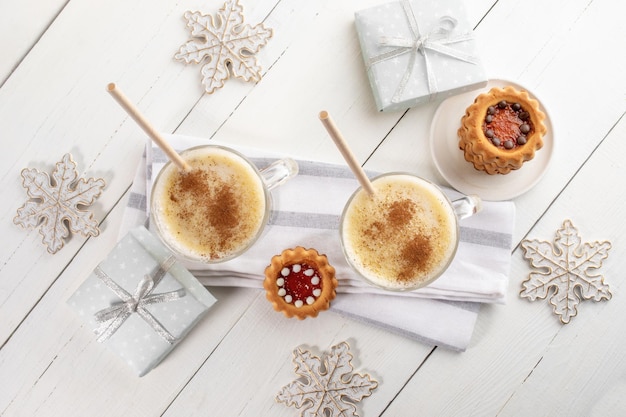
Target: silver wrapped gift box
416 51
140 301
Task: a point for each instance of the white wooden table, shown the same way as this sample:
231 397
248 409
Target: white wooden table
57 58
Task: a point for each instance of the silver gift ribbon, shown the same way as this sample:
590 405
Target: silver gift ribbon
437 40
111 318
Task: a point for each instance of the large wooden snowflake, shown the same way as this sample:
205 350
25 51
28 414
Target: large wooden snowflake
567 271
53 203
330 387
226 43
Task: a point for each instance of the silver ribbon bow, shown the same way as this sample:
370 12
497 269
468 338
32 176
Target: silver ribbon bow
111 318
437 40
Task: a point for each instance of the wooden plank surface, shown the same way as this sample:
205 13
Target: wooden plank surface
58 57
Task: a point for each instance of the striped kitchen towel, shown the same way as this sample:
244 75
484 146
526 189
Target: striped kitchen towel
306 212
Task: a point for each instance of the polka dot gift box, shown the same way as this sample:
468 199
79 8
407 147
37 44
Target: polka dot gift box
418 51
140 302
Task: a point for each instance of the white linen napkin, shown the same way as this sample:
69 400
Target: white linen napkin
306 212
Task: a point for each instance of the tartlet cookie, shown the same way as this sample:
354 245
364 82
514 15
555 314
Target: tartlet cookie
300 282
501 130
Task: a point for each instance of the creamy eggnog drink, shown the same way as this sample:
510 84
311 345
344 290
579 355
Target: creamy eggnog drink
403 236
215 210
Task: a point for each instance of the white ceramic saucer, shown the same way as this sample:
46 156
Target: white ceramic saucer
460 174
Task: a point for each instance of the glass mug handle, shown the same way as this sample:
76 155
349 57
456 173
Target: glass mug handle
279 172
467 206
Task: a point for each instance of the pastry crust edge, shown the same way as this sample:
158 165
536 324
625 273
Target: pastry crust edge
326 273
477 148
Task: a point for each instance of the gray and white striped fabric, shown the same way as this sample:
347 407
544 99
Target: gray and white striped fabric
306 212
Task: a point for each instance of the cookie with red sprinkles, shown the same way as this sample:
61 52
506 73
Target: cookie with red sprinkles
300 282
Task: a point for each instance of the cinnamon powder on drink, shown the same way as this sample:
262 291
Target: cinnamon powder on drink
217 207
222 213
400 213
415 256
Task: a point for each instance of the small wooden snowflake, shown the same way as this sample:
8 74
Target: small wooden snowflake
331 387
567 271
225 43
55 202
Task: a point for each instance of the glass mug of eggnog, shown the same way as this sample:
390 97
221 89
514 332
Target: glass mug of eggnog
404 235
215 210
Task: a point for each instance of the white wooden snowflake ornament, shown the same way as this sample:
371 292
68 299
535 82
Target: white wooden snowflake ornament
55 203
567 271
331 388
225 43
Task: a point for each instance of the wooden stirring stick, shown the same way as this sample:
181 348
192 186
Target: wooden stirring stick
134 112
334 133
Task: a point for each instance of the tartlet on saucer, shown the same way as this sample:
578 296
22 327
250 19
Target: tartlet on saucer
501 129
300 282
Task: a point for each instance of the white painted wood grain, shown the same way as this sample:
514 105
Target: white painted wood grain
252 364
21 26
521 361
